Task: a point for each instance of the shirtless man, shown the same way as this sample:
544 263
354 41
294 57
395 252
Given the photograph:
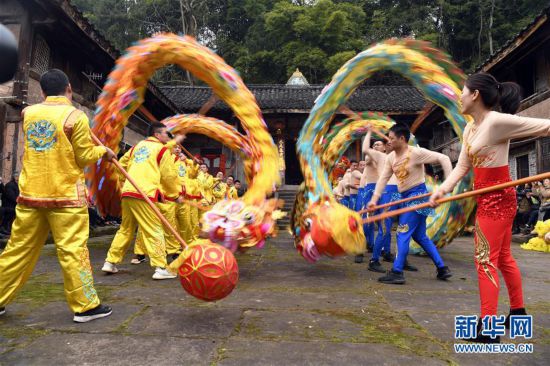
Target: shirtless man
368 180
407 163
345 183
377 157
355 180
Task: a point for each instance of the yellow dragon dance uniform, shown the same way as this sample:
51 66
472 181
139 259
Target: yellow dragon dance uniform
168 208
53 195
151 165
206 185
193 194
182 209
219 190
232 193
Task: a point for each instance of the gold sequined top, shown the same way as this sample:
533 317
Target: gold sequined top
409 168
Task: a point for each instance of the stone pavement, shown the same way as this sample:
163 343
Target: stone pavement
283 312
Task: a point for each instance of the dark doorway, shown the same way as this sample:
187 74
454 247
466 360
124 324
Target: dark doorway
522 166
293 173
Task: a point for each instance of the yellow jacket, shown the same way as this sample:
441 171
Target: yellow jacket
58 145
219 191
232 193
206 184
173 191
151 165
190 181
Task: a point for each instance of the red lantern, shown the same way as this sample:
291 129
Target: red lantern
210 273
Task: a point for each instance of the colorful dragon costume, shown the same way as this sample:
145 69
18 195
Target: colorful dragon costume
251 217
248 221
327 227
337 141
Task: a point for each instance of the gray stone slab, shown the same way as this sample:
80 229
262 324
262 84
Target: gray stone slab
125 275
298 326
449 303
283 311
246 352
57 316
182 321
151 292
111 349
295 300
289 275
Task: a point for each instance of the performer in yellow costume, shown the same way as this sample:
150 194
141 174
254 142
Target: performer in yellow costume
58 146
169 208
206 185
188 212
220 188
231 189
151 165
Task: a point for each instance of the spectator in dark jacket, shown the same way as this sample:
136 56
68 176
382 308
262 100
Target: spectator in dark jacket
9 201
240 189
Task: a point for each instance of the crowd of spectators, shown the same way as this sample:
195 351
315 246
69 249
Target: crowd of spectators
533 205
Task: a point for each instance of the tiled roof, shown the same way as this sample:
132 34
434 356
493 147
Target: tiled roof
513 42
283 98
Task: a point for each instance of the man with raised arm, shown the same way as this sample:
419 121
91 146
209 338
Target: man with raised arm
407 163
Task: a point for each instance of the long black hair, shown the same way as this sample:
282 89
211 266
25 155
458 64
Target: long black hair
506 95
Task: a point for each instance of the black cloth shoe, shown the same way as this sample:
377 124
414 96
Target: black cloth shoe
2 310
520 311
100 311
393 278
443 273
388 257
375 266
409 267
480 338
359 258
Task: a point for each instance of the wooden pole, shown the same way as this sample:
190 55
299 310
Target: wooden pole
149 202
460 196
209 104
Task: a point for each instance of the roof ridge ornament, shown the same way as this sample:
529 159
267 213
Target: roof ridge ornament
297 79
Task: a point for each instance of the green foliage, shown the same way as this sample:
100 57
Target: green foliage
266 40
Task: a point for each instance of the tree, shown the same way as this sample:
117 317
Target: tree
265 40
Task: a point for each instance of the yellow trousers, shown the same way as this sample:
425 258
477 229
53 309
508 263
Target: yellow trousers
70 230
168 209
136 212
139 247
184 222
194 217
